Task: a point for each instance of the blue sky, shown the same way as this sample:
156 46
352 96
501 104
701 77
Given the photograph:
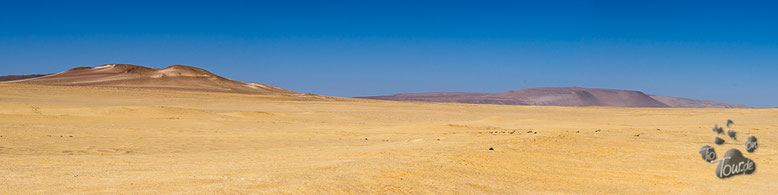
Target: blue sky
713 50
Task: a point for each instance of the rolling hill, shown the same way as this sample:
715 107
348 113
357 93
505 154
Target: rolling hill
173 77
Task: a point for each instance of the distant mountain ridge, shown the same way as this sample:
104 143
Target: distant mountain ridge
560 96
692 103
128 75
192 78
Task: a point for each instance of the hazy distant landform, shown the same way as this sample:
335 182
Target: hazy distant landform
192 78
560 96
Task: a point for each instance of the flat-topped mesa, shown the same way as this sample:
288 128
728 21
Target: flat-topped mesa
172 77
558 96
578 96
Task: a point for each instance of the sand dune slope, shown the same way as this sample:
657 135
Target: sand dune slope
57 139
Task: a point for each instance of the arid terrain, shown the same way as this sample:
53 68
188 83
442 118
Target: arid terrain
80 139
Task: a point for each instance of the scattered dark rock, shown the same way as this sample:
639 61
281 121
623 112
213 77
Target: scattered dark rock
597 130
637 135
577 131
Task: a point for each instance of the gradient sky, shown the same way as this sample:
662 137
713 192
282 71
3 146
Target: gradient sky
714 50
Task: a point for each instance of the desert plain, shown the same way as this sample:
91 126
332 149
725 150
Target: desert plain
83 140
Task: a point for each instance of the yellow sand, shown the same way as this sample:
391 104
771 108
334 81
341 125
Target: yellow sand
110 140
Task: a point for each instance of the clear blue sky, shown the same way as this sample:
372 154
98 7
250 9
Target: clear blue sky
713 50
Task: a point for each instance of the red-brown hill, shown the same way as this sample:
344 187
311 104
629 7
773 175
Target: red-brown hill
173 77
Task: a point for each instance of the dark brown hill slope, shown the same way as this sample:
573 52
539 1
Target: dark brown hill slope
19 77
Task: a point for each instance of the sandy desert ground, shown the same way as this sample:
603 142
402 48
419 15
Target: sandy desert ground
118 140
